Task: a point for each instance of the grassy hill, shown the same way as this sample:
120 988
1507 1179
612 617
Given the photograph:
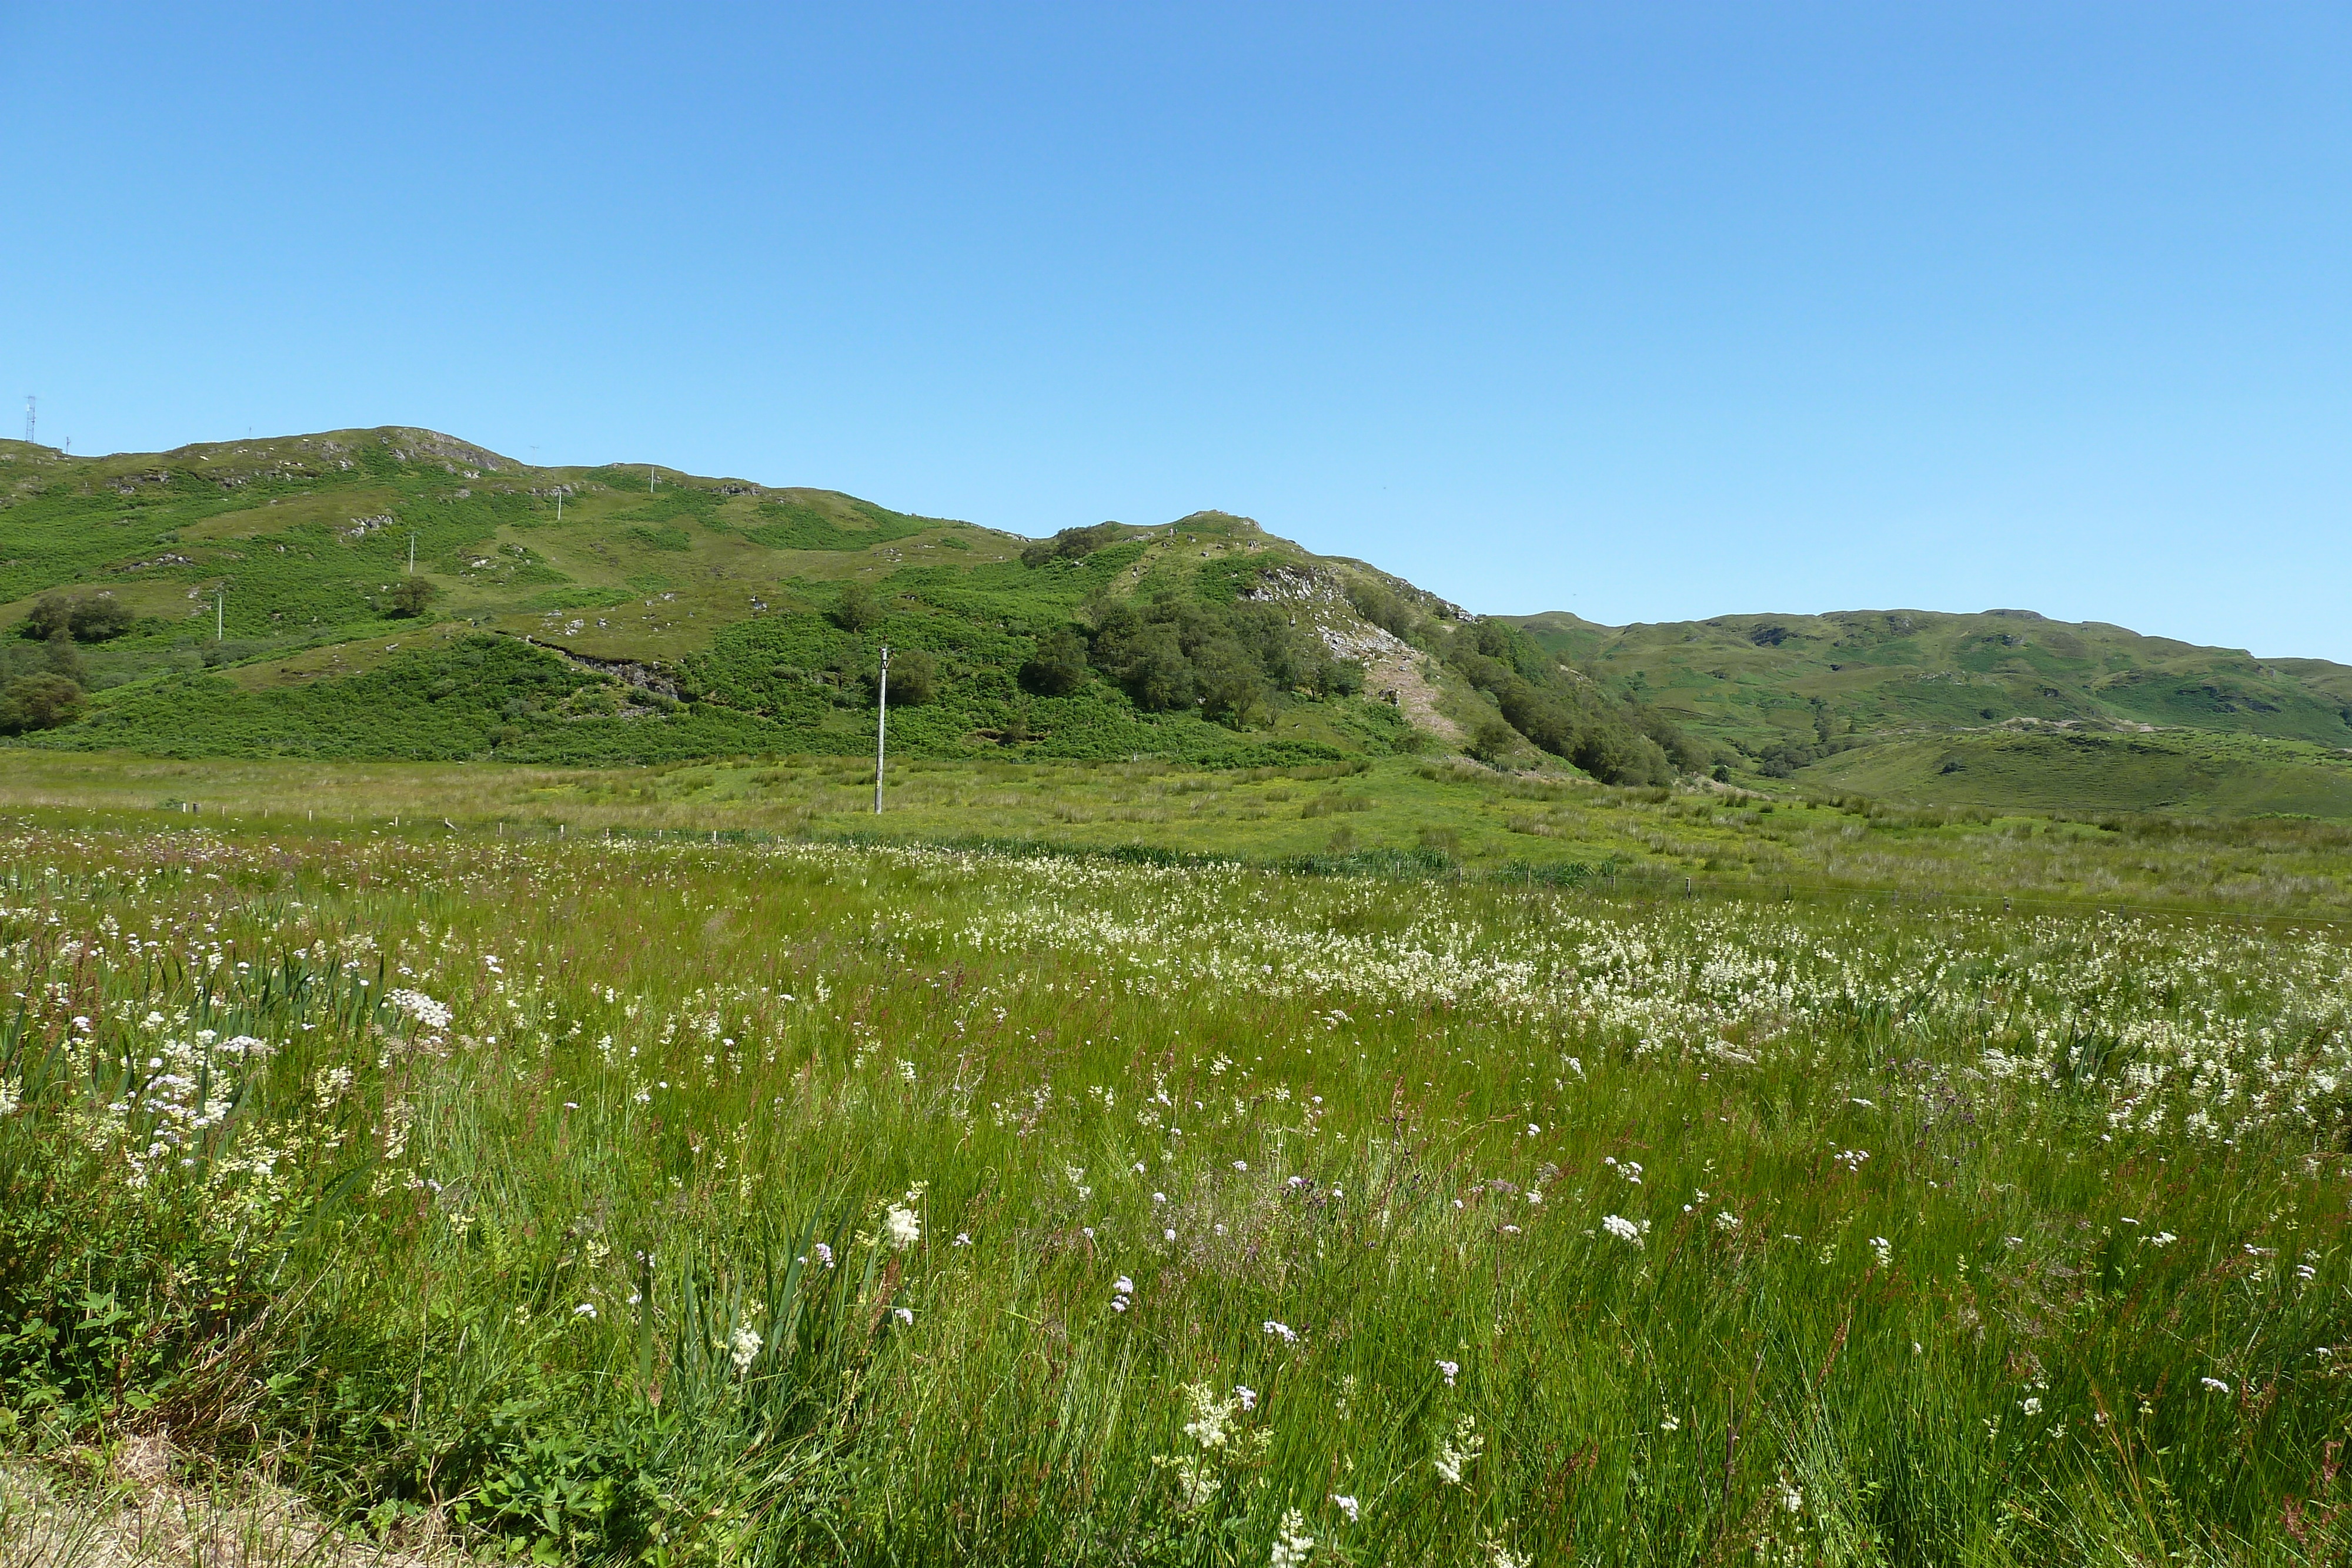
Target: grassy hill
1763 679
397 593
627 613
2005 706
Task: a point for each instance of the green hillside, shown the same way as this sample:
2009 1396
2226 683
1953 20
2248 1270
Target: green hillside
397 593
1930 705
1763 679
400 594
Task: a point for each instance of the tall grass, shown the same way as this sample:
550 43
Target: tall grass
799 1202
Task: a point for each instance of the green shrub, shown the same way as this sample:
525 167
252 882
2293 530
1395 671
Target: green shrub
95 618
39 702
410 595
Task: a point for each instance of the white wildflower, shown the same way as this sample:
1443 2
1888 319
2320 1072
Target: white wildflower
901 1228
1623 1229
1291 1544
742 1345
1450 1368
2215 1383
1348 1506
1282 1332
1883 1250
422 1008
1458 1450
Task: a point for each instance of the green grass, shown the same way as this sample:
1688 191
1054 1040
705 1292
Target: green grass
1939 1220
1448 818
2170 771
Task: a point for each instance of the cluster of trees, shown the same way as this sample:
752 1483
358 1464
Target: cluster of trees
1225 662
1616 741
1071 544
98 618
42 688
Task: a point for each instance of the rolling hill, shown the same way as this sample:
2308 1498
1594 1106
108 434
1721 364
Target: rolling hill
398 593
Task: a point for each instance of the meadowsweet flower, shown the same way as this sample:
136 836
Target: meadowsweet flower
1623 1229
1348 1506
1670 1422
416 1005
12 1094
1458 1450
963 1239
1883 1250
1291 1542
1500 1555
1792 1499
2030 1405
2161 1238
1725 1220
1282 1332
743 1346
1450 1368
1210 1414
901 1228
585 1309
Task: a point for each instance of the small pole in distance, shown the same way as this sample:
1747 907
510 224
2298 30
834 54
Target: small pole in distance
881 727
220 616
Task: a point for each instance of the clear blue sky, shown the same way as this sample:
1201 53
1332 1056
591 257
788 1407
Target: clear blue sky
1645 311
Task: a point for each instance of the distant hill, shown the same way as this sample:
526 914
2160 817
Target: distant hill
258 598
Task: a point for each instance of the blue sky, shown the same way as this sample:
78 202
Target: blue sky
1645 311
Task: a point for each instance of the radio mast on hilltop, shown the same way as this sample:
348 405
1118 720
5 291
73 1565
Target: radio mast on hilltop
29 419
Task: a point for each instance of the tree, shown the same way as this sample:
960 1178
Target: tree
39 702
1059 668
858 609
1492 740
410 595
97 619
51 616
92 619
914 677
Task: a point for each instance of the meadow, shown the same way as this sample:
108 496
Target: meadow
798 1199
